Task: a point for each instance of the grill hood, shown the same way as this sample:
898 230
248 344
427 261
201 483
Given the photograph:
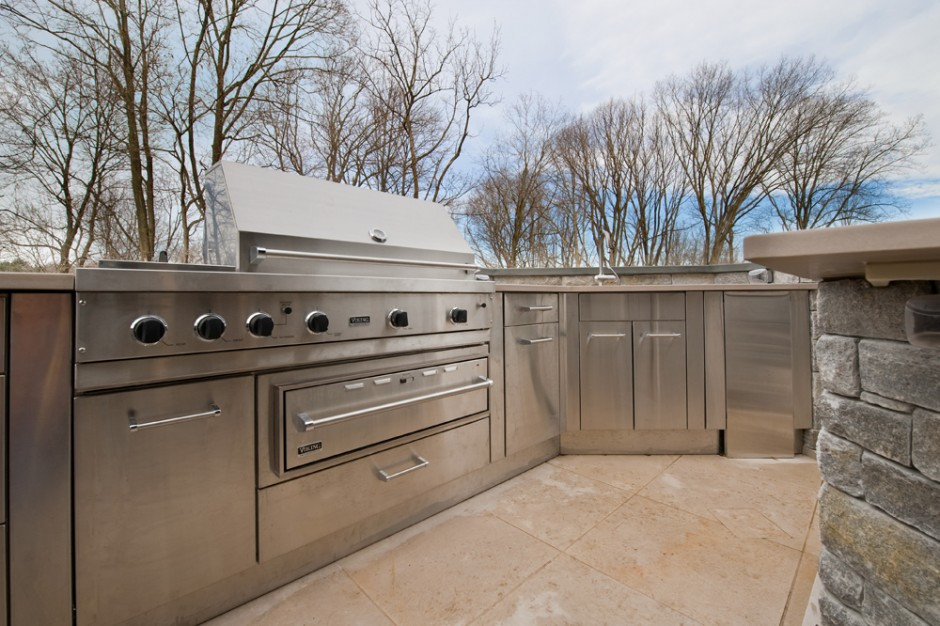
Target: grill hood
262 220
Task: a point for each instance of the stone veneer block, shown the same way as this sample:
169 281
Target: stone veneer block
880 608
925 443
902 493
840 462
840 580
834 613
886 432
901 371
854 307
837 362
888 403
898 559
731 278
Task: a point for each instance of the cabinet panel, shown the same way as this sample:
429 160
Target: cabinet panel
659 375
606 376
601 307
168 508
532 385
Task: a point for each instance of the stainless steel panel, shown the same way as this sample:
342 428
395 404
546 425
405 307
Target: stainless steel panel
103 320
3 574
163 512
760 377
659 372
530 308
601 307
801 342
39 521
3 334
606 375
3 454
131 280
570 363
532 397
298 512
498 390
304 444
715 407
695 358
111 374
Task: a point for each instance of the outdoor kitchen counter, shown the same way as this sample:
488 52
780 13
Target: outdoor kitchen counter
26 281
508 287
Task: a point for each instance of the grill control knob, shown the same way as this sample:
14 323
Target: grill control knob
260 324
458 315
148 329
398 318
318 322
209 327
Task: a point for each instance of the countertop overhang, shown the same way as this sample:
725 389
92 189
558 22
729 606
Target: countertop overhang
35 281
509 287
906 250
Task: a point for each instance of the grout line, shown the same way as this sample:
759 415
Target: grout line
374 602
799 563
515 587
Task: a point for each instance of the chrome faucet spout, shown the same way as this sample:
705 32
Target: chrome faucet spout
603 247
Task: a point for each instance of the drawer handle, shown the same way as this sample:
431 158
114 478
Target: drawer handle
543 307
134 425
606 336
307 423
529 342
660 335
422 462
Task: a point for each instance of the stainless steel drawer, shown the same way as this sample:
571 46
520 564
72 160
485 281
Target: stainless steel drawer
298 512
322 421
530 308
626 307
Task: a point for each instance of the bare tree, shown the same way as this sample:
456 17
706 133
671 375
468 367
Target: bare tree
729 132
423 88
509 215
837 165
59 152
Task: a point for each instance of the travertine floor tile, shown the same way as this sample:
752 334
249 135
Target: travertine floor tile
800 591
553 504
567 591
327 596
450 573
629 473
691 563
813 540
782 491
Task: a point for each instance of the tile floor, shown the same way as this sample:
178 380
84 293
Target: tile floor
585 540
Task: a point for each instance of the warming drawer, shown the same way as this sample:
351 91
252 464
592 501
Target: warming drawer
324 420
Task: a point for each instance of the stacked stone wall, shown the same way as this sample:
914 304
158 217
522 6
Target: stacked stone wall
877 439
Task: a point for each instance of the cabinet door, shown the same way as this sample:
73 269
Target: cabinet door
532 385
659 375
164 495
606 376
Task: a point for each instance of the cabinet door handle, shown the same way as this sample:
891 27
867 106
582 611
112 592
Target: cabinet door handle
606 336
529 342
660 335
422 462
134 425
544 307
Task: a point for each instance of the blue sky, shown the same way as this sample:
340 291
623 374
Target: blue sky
583 52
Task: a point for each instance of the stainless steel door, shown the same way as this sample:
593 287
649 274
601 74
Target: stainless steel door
606 376
164 495
659 376
759 374
532 385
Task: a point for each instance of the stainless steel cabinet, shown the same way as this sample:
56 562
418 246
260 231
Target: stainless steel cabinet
532 385
164 495
659 375
606 376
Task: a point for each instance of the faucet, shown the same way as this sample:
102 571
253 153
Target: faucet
602 263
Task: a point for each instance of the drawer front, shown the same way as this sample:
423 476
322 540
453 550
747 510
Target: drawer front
626 307
532 385
295 513
530 308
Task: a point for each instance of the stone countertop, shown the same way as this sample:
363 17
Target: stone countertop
905 250
509 287
28 281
